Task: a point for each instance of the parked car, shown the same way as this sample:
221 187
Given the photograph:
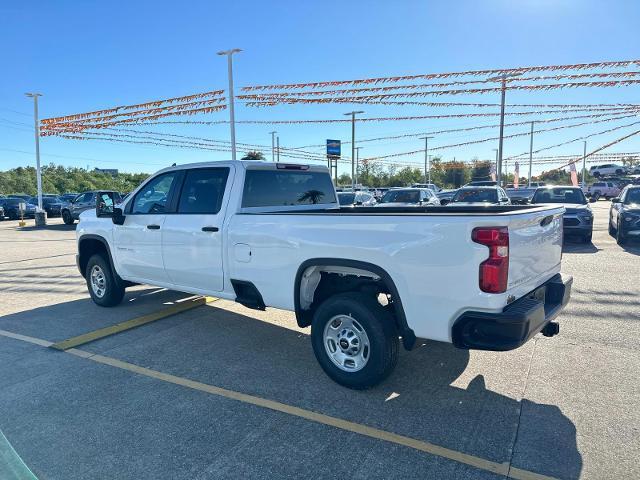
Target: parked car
51 204
402 197
624 215
607 169
520 196
578 217
480 195
11 208
71 211
431 186
603 189
266 234
445 196
357 199
1 212
22 196
67 197
482 183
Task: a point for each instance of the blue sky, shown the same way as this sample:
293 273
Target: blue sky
87 55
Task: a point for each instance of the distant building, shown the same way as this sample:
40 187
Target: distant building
109 171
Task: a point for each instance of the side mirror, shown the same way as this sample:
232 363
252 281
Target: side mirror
105 207
615 200
105 203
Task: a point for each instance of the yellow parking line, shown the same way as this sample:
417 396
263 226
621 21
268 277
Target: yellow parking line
364 430
129 324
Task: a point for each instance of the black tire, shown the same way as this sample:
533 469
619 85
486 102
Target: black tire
67 218
612 231
113 289
13 215
595 196
621 239
380 329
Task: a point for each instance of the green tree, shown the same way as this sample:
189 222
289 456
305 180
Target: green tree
253 155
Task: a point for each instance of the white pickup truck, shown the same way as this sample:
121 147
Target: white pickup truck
273 235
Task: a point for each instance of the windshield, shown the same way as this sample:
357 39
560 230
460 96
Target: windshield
48 200
401 196
559 195
346 198
484 195
633 196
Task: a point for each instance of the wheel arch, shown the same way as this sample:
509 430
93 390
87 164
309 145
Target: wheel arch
90 244
358 268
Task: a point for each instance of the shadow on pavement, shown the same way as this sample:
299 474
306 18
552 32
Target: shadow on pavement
579 247
238 352
60 227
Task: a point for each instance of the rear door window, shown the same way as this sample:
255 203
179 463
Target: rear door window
279 188
203 190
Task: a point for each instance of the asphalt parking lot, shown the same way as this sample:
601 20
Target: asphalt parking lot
221 391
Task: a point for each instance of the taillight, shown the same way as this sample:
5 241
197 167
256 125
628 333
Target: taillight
494 271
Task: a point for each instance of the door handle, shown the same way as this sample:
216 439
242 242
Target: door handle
210 229
153 227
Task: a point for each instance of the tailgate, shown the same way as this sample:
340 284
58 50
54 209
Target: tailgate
535 249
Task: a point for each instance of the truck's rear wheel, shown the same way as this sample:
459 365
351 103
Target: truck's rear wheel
355 340
104 288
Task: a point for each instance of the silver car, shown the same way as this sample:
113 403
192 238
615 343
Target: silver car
404 197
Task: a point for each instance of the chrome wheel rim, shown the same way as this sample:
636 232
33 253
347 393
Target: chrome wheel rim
346 343
98 281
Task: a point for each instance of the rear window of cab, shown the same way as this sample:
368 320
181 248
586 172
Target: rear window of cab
278 188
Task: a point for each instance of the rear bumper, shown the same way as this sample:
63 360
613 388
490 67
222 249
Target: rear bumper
517 323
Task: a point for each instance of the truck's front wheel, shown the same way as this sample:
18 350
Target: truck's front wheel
355 340
104 287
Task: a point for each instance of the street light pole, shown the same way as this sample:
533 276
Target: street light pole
426 159
584 165
530 154
353 146
278 149
273 146
232 117
37 134
357 161
503 79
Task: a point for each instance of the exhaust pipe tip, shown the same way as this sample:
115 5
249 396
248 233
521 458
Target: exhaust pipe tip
551 329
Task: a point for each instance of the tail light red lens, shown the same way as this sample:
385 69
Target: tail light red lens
494 271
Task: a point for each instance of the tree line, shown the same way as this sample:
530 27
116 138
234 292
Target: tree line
57 179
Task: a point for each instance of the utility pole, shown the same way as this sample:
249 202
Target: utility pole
278 149
584 165
232 117
503 80
357 161
530 154
273 146
35 96
427 167
353 146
